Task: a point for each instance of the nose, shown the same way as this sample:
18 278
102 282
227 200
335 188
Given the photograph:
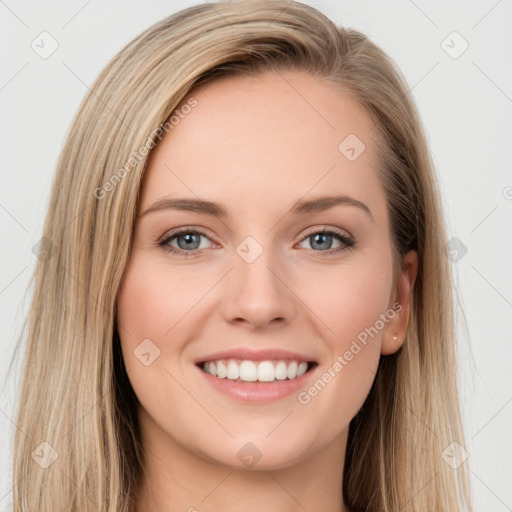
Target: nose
258 294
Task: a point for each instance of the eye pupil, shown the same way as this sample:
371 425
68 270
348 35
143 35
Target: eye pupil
190 238
321 238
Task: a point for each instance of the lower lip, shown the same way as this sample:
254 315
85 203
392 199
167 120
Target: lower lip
259 392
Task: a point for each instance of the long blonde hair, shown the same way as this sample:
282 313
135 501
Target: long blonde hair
76 396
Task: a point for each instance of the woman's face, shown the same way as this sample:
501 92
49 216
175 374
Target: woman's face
270 280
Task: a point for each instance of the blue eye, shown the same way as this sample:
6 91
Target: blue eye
189 241
190 237
323 241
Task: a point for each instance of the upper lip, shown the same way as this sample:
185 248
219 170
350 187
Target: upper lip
254 355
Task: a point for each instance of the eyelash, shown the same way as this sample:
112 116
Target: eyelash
348 242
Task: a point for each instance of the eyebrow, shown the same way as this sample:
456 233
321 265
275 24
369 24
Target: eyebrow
300 207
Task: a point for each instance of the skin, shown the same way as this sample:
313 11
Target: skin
254 145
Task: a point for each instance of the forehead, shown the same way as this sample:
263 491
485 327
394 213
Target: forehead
254 142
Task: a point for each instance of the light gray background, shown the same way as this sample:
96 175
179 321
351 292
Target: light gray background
466 106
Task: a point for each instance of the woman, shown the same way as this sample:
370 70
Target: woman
248 365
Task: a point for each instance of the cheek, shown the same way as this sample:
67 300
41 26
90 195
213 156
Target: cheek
353 306
363 297
152 309
353 300
152 301
149 305
164 306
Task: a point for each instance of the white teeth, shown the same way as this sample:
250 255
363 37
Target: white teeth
292 370
233 371
266 371
301 370
221 369
281 371
250 371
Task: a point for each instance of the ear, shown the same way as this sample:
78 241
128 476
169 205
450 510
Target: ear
403 294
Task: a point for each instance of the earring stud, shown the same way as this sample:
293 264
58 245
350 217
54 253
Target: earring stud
395 338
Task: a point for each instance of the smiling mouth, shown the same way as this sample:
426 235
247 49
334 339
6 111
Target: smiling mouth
245 370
